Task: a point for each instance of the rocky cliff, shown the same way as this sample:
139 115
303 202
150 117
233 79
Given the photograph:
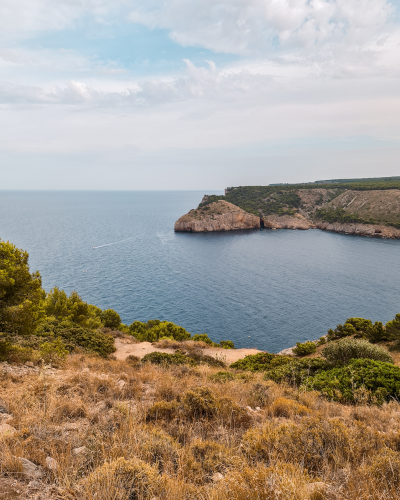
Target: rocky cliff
218 216
296 221
371 230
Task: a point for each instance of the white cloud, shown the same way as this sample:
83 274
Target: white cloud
250 27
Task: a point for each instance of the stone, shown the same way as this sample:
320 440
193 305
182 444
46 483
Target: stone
51 463
31 470
79 451
30 364
34 485
7 430
217 477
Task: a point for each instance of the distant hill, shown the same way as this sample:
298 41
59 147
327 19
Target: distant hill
364 201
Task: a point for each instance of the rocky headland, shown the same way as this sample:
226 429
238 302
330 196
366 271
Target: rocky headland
218 216
366 208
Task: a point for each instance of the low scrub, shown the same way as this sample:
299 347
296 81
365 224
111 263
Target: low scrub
260 362
297 371
362 380
341 352
305 348
154 330
122 479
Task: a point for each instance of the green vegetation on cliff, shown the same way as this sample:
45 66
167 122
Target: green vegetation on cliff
319 200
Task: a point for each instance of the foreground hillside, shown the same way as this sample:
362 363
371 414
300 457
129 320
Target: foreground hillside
369 208
182 421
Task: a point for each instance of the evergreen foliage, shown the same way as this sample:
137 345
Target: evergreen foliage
345 384
297 371
305 348
341 352
260 362
155 330
20 291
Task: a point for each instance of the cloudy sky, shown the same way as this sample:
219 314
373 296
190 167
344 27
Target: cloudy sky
197 94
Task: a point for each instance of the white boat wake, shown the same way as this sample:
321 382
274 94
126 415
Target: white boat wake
114 243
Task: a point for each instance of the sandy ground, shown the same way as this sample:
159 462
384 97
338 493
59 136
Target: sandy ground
127 348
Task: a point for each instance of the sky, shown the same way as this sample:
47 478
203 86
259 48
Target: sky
197 94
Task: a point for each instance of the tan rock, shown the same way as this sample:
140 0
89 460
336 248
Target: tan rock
6 430
218 216
51 463
31 470
296 221
79 451
217 477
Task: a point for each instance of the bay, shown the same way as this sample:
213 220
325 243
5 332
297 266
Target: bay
259 288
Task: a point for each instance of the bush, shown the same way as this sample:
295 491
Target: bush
53 352
20 291
203 337
110 318
260 362
297 371
123 479
163 358
341 331
287 408
304 349
5 349
380 380
222 377
155 329
227 344
200 403
385 467
163 410
341 352
312 443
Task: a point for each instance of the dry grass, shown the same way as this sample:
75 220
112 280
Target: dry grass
207 446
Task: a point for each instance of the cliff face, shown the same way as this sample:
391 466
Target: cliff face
371 230
296 221
217 216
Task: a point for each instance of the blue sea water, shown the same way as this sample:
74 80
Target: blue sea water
259 288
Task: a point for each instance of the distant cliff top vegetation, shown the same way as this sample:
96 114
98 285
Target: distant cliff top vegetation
307 198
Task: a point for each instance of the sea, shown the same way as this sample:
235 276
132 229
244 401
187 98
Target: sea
259 288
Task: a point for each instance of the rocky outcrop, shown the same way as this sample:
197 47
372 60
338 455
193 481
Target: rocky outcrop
371 230
218 216
296 221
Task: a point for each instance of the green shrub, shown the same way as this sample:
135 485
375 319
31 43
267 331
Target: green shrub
297 371
260 362
227 344
222 377
110 319
380 380
322 341
53 352
75 336
163 358
341 331
5 349
341 352
203 337
155 329
305 348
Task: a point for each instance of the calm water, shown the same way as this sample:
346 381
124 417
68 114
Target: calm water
277 287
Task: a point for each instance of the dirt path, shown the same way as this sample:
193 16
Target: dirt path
127 348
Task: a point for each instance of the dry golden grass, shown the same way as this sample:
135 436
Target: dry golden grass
207 446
